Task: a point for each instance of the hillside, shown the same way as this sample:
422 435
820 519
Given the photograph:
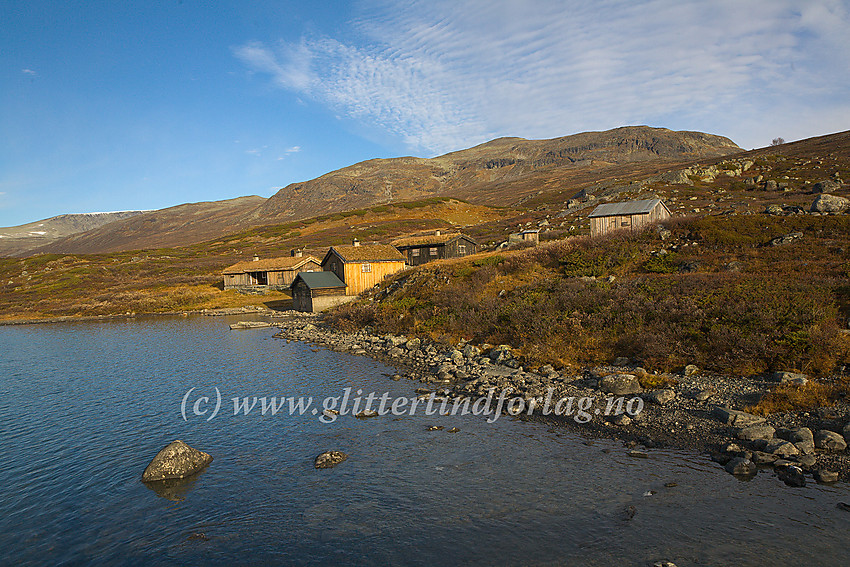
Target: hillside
22 239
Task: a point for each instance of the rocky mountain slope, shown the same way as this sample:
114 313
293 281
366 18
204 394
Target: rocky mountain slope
494 173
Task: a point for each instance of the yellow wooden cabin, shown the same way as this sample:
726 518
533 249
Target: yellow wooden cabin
361 267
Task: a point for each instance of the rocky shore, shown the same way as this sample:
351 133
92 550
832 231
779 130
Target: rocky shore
690 410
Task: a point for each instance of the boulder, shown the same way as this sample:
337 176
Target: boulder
825 476
803 439
660 397
762 458
826 186
830 441
789 378
691 369
826 203
413 344
736 418
620 384
781 448
846 433
753 432
739 466
176 460
329 459
791 475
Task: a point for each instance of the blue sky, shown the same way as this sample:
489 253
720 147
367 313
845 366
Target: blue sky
118 105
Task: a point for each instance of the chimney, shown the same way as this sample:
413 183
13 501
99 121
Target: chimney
437 233
356 242
256 258
296 252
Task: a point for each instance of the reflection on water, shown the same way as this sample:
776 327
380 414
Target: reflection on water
84 407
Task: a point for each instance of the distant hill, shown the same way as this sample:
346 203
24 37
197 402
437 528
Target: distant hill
175 226
19 240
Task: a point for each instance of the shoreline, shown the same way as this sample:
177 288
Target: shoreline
700 413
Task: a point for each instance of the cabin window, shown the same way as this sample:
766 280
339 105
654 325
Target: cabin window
432 251
414 252
333 266
367 267
626 222
461 248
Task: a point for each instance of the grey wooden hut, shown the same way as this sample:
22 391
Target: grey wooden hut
269 274
627 215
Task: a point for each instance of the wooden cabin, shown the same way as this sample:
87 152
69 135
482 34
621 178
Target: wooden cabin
531 235
361 267
317 291
270 274
422 249
627 215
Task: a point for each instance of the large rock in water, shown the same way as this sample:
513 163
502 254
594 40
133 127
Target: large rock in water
329 459
176 460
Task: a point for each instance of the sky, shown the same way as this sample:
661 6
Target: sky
119 105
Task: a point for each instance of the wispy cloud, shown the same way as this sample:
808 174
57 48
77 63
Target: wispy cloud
441 75
29 72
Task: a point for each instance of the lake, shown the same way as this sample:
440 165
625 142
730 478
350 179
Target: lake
85 406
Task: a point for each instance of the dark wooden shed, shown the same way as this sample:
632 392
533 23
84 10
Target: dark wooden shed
422 249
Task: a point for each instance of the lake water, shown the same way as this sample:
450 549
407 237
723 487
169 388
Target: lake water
85 406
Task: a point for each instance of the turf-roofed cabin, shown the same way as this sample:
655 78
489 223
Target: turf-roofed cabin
275 274
422 249
317 291
627 215
362 267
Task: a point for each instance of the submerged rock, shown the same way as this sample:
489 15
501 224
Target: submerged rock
175 460
791 475
329 459
250 325
739 466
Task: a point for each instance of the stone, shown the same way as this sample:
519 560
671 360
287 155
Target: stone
413 344
663 564
691 369
762 458
846 433
825 477
471 351
366 414
753 432
329 459
807 461
826 186
773 209
781 448
250 325
789 378
826 203
736 418
620 384
703 395
176 460
739 466
791 475
660 397
830 441
791 237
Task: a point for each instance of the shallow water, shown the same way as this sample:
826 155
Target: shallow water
85 406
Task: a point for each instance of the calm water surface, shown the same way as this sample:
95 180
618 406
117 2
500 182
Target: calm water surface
85 406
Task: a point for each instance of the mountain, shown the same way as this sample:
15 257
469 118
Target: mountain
493 173
175 226
502 172
19 240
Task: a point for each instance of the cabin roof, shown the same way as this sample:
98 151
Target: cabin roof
641 207
430 239
283 264
366 253
319 280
